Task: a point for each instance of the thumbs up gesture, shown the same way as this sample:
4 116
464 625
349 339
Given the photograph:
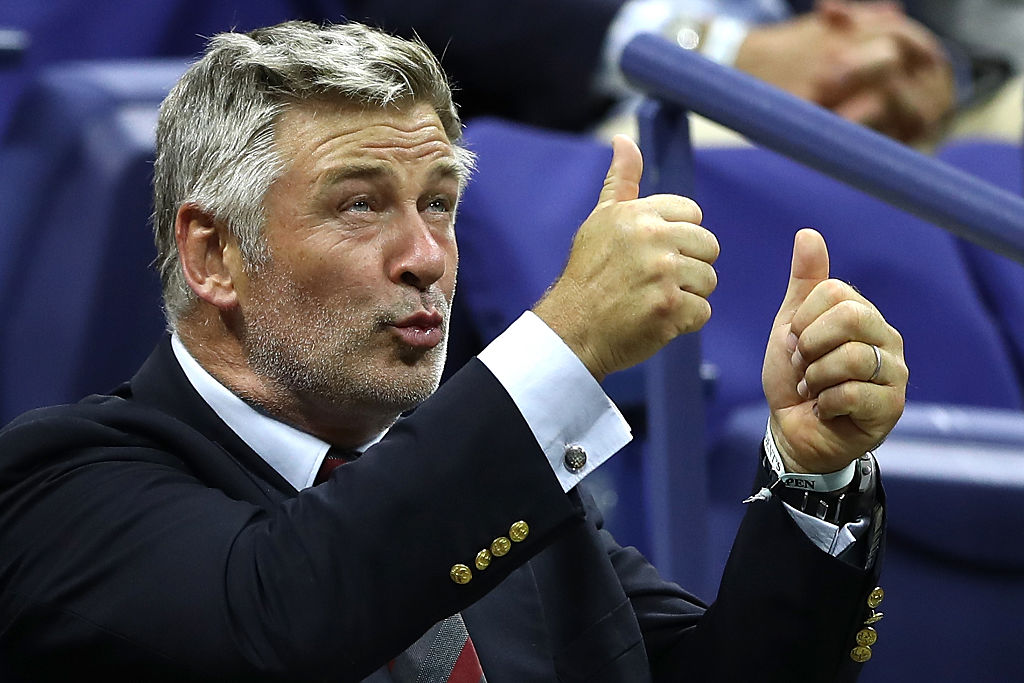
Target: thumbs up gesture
834 373
639 272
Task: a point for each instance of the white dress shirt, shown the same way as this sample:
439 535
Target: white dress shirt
560 400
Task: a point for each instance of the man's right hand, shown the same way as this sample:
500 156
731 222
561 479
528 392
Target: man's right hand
639 272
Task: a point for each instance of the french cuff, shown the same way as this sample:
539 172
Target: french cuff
575 423
830 538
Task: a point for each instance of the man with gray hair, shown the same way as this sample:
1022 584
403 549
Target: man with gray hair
197 524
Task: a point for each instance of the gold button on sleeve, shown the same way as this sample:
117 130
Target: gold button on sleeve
875 598
519 531
867 636
461 574
500 546
860 654
874 618
483 559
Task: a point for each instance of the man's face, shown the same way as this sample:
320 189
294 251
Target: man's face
351 313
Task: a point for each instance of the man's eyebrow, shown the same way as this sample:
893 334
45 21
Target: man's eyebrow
446 168
450 168
333 176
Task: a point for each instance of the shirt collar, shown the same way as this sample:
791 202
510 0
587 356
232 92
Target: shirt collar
295 454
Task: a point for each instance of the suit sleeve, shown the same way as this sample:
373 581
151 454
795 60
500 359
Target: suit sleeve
785 610
529 60
118 557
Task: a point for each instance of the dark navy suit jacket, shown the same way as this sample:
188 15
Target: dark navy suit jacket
142 540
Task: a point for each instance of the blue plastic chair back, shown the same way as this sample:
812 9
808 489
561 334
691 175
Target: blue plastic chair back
81 309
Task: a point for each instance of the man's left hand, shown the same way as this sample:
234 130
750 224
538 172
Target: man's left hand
832 396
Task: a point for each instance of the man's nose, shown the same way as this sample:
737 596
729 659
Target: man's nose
420 256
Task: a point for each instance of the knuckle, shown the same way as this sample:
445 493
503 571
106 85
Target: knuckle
858 360
852 314
902 372
693 208
703 313
813 377
897 337
663 306
646 227
694 316
709 245
710 280
848 393
664 267
833 291
842 396
699 278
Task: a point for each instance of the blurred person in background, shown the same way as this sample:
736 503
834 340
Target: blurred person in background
554 63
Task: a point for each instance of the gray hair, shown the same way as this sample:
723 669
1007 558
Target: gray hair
215 135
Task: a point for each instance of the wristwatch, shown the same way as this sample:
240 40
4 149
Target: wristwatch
839 506
686 32
839 498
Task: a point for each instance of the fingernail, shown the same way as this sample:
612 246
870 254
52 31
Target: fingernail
801 388
791 341
814 409
797 359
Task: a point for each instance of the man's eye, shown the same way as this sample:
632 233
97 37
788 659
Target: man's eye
360 205
439 205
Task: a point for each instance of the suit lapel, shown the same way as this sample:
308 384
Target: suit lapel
162 384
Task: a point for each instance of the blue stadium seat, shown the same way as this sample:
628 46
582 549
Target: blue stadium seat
1000 280
80 307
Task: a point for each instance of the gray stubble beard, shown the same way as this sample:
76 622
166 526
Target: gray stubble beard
320 358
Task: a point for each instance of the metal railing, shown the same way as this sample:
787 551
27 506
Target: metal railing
954 200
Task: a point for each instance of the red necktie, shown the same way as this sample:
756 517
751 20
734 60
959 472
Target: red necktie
445 653
335 458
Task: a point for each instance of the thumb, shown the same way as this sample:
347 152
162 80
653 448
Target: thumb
810 266
623 180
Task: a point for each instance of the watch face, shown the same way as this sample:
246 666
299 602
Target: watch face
688 37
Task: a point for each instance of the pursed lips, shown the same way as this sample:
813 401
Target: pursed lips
423 329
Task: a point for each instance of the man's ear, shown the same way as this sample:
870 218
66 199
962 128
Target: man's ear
210 258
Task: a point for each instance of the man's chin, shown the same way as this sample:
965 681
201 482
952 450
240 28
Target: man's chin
425 364
391 400
412 381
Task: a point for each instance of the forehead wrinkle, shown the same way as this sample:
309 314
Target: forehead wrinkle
405 149
374 157
361 148
383 135
418 116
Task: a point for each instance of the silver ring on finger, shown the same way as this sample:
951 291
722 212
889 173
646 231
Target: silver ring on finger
878 363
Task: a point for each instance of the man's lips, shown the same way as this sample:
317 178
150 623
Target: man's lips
420 330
